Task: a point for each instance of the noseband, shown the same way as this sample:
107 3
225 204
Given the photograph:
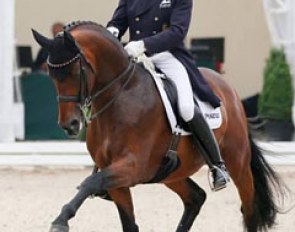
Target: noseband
84 99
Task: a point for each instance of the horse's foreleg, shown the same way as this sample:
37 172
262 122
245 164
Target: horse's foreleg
93 184
118 175
123 201
193 197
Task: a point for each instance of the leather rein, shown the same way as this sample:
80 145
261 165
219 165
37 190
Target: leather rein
84 99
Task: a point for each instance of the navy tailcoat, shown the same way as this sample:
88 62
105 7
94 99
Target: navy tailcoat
163 26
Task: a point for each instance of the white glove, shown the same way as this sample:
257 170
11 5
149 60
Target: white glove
113 30
147 62
135 48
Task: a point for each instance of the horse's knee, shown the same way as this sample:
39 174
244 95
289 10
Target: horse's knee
202 196
198 195
112 177
95 183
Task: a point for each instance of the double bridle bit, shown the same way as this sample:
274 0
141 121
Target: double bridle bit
84 98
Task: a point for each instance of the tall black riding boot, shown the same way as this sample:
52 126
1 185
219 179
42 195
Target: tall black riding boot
204 138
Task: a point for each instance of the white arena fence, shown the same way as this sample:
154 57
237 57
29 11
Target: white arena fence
44 154
74 154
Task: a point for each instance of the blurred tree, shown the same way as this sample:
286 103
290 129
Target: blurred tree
276 98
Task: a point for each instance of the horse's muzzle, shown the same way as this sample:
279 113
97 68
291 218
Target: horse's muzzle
72 127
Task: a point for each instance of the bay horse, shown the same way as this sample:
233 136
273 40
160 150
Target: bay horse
129 133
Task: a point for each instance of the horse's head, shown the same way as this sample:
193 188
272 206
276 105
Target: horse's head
85 61
67 67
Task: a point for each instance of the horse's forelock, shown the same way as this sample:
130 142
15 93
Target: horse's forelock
60 52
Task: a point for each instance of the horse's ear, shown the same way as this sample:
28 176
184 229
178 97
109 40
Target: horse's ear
42 40
70 41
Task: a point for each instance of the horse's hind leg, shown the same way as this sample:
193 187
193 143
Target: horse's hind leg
247 192
123 201
237 158
193 197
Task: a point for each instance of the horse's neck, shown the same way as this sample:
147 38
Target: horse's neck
135 93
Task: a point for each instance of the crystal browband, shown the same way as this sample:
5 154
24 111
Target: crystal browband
63 64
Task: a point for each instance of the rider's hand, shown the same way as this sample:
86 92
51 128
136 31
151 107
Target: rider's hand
135 48
114 31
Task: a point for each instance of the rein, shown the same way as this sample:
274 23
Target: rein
131 67
83 98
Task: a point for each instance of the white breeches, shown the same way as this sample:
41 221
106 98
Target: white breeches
174 70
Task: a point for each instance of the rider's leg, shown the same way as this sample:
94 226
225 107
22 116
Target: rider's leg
174 70
202 134
208 142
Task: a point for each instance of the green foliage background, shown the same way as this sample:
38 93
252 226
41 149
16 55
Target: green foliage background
276 98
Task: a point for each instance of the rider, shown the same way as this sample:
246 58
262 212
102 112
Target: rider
158 28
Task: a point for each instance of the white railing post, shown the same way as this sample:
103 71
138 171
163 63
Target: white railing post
7 9
290 49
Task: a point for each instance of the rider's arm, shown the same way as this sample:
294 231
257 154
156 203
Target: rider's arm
120 18
175 33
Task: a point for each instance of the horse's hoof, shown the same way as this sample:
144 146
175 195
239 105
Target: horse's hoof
59 228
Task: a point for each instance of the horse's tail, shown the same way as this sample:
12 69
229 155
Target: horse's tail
268 188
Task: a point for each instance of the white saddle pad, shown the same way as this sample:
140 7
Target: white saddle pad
212 115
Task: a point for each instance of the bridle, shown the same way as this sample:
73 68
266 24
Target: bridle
83 91
84 99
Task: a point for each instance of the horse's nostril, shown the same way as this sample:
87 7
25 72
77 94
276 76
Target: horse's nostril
74 124
71 127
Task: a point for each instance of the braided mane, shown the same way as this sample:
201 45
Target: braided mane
74 24
99 27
